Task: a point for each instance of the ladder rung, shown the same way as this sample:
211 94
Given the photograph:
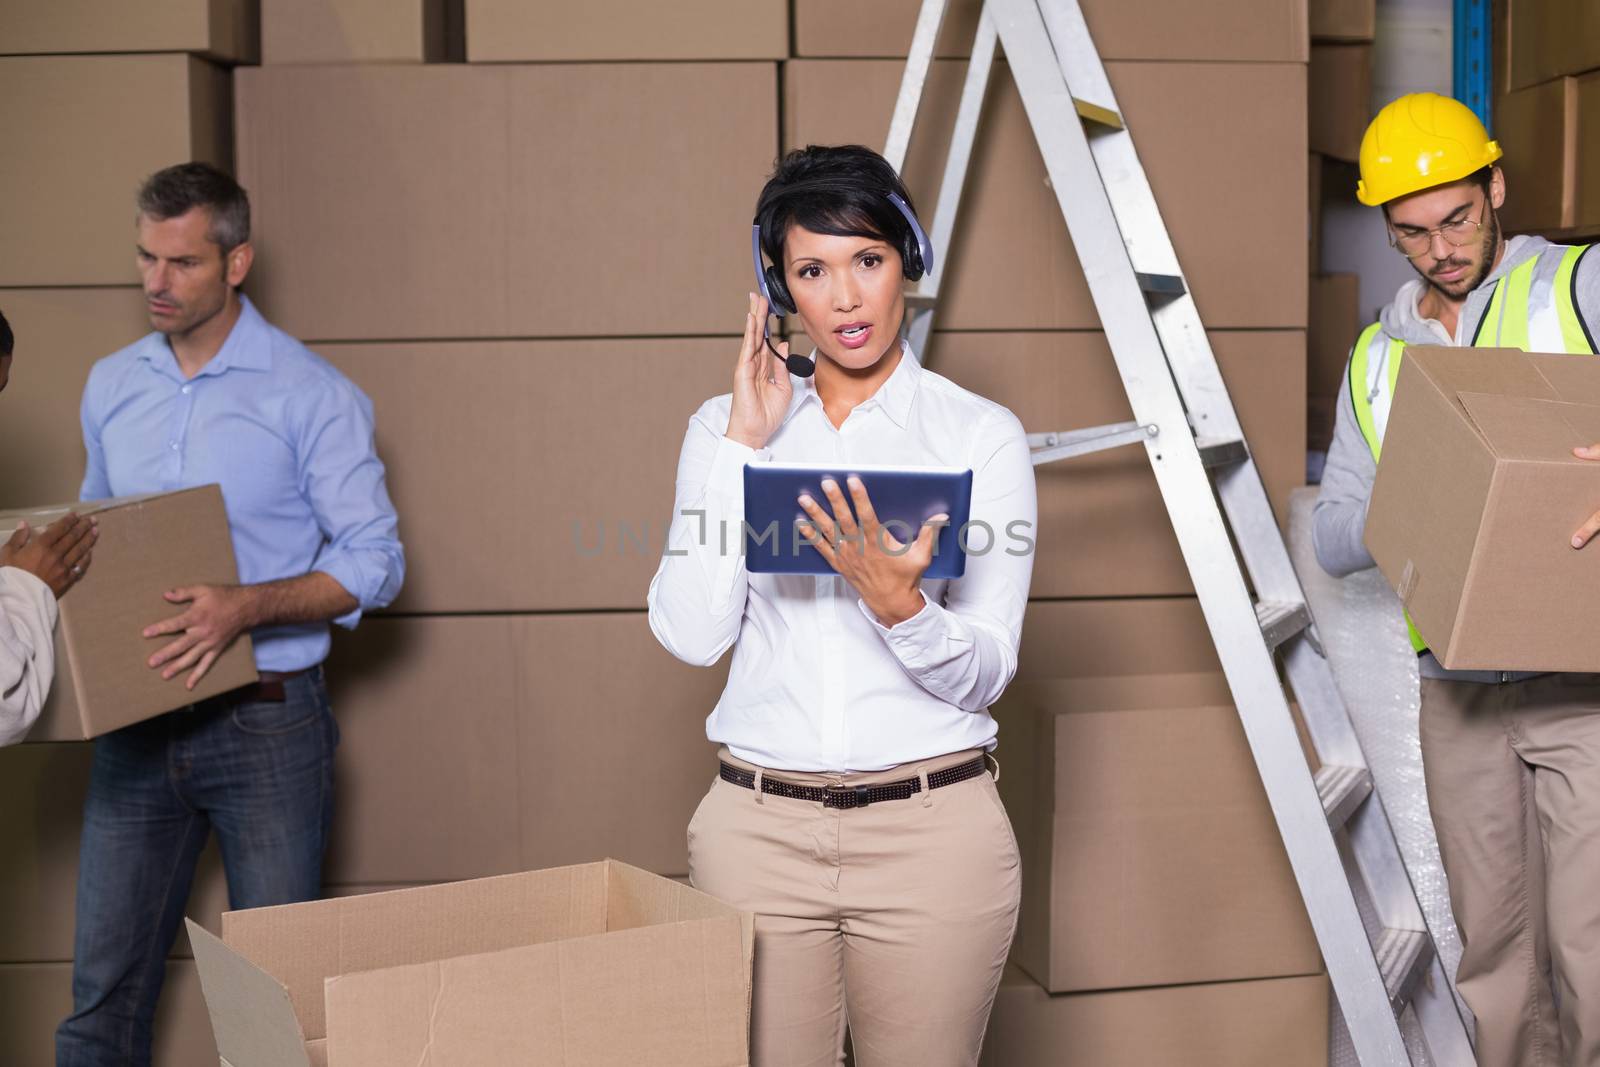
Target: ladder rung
1280 621
1403 957
921 301
1167 285
1221 452
1342 790
1103 116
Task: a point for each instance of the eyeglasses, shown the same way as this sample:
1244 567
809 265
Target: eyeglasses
1456 234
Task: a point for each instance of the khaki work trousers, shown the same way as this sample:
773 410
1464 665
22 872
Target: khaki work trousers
894 919
1513 777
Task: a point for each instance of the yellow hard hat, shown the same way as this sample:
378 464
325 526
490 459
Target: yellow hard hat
1419 141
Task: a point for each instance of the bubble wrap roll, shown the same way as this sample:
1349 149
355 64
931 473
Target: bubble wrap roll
1363 631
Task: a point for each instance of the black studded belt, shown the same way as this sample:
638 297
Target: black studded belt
854 796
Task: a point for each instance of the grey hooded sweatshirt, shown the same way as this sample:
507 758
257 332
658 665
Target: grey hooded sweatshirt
1340 515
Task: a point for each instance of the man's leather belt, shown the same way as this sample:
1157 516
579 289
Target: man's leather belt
853 796
269 690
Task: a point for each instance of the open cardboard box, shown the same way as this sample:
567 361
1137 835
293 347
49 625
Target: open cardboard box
600 963
1476 500
148 544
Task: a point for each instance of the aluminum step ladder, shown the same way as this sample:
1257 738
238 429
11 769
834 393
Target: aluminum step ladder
1375 943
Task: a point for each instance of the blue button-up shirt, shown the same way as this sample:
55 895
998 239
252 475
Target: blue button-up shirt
290 440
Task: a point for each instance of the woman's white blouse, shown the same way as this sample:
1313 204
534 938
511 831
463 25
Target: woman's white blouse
817 683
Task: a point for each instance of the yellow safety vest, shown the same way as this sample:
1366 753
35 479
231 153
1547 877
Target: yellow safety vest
1533 308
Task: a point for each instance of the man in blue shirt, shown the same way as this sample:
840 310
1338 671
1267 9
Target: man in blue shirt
217 394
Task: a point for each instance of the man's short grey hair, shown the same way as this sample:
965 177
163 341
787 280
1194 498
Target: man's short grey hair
176 190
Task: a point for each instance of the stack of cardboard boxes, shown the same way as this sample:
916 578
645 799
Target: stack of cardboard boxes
1340 102
1547 116
517 258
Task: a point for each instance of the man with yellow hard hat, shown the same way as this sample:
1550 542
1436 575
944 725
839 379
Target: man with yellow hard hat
1511 760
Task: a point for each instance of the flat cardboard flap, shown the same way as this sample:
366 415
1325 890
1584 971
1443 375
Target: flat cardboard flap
1528 428
670 995
251 1015
635 897
304 944
1575 378
1497 371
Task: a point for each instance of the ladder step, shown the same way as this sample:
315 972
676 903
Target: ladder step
1168 285
921 301
1102 116
1221 452
1404 956
1342 790
1280 621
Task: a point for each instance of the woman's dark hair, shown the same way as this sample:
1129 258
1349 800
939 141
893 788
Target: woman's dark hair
841 190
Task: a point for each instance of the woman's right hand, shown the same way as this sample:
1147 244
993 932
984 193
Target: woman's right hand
761 384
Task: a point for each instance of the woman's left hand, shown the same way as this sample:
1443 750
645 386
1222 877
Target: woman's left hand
884 570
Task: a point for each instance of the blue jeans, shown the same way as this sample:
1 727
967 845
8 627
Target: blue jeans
261 774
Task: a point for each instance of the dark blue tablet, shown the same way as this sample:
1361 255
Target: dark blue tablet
903 497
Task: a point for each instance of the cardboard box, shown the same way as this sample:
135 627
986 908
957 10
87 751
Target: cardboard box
1149 852
1012 265
519 30
1280 1022
220 29
81 133
147 545
1477 496
1538 130
1585 172
1340 98
605 962
507 179
1343 20
1103 528
1335 325
453 443
1231 30
360 31
35 997
1095 638
1550 38
548 769
60 334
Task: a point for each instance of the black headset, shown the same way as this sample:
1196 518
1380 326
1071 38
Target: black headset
916 259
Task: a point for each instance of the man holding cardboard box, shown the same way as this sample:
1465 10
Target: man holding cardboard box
217 395
36 569
1509 757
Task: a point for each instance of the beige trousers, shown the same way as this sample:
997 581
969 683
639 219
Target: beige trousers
894 919
1513 777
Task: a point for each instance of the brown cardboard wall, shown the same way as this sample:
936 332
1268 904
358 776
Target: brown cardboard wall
1343 20
1012 265
566 513
1586 173
1335 324
1103 529
1230 30
360 31
60 333
1089 638
81 133
219 29
1135 799
1537 129
523 30
484 745
1340 98
1275 1023
573 200
34 997
1550 38
468 429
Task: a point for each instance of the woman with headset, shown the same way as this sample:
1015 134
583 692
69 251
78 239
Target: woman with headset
854 811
